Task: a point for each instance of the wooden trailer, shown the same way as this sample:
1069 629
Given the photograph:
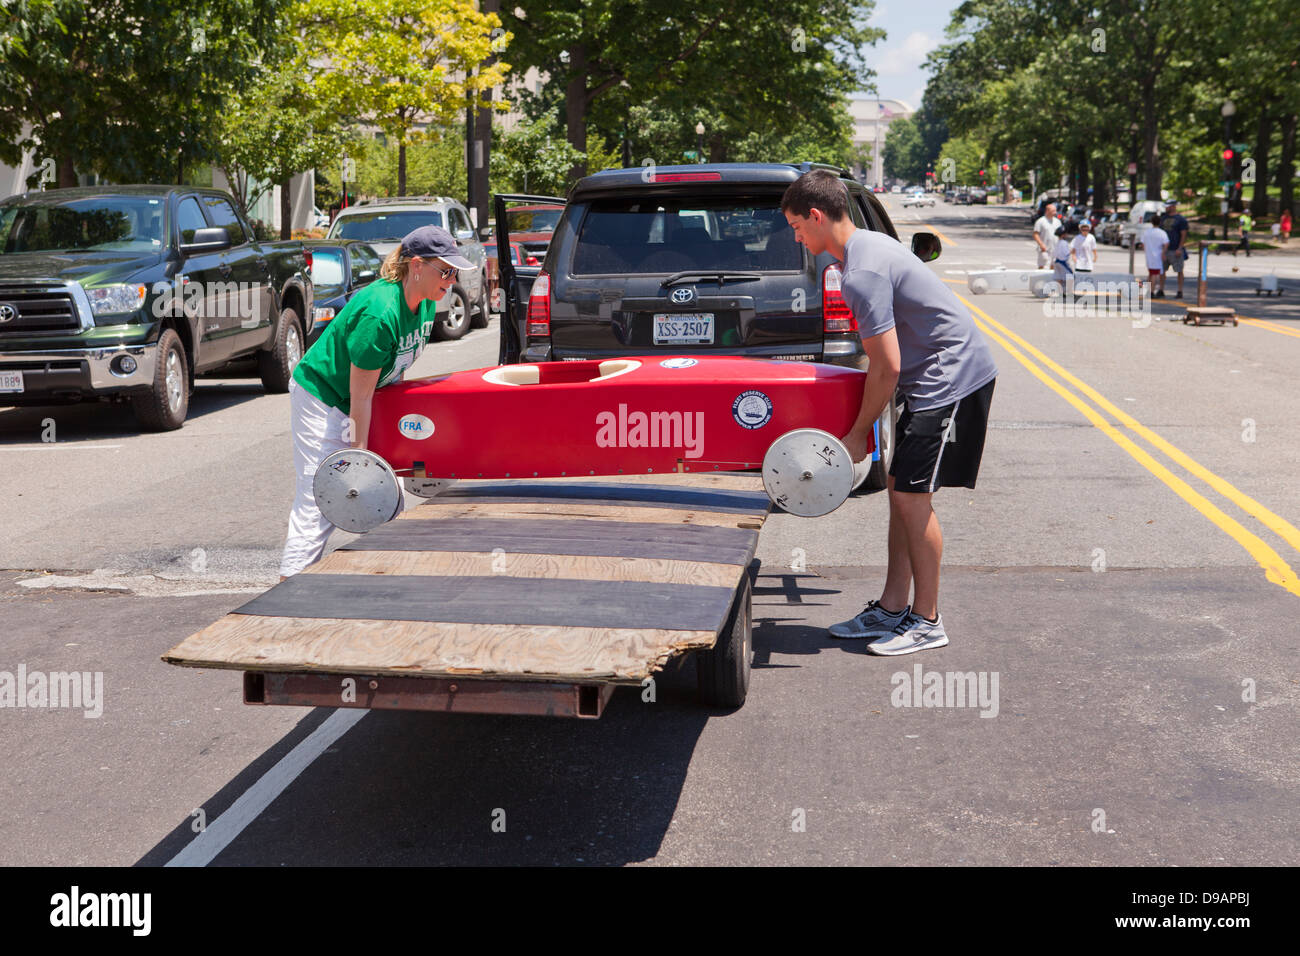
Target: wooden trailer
511 597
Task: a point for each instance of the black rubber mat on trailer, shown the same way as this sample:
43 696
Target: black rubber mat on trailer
595 538
537 602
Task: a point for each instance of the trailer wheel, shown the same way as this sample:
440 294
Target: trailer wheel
722 673
877 472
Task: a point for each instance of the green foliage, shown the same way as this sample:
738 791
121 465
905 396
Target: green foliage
904 151
126 88
274 130
534 157
434 167
397 63
765 83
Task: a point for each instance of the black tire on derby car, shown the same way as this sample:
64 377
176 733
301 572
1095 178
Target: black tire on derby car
722 673
480 319
453 323
164 407
275 365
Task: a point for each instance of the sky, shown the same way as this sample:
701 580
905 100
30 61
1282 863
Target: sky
914 28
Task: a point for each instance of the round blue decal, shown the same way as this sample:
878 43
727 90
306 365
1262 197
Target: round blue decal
751 409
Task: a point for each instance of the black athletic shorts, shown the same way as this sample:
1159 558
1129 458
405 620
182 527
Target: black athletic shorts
941 447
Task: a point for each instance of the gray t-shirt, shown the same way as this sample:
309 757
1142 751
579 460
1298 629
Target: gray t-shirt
943 356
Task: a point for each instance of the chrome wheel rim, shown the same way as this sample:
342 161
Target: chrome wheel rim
455 312
175 380
292 346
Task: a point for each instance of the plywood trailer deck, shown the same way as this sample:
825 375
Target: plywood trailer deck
522 597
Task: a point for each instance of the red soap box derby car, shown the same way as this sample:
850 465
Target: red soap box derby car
618 416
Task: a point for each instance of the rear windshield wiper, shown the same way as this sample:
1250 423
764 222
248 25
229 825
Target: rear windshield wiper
720 274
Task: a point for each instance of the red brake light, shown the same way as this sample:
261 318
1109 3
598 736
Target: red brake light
836 315
539 307
307 253
685 177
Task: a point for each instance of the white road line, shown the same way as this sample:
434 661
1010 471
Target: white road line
219 835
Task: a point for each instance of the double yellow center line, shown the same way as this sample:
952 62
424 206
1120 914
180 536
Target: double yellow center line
1275 568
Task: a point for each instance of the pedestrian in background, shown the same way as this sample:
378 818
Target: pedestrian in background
1061 252
1083 250
1285 222
1045 235
1154 242
1175 227
1246 223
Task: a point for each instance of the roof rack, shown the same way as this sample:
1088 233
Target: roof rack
382 200
806 166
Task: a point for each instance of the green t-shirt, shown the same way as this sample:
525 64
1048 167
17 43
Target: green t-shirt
376 329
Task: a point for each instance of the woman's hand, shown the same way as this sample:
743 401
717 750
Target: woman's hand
361 385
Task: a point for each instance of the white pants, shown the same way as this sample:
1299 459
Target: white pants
317 433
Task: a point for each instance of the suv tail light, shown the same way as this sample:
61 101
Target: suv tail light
307 255
539 307
836 315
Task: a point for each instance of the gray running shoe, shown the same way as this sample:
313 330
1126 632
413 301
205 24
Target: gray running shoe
914 633
874 621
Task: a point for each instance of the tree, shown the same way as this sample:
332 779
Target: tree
128 89
904 151
397 64
272 132
696 63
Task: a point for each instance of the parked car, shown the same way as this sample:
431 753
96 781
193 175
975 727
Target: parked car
950 194
126 293
381 224
1109 229
658 266
338 271
978 194
533 225
519 256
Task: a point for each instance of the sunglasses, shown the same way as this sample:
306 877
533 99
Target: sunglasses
448 273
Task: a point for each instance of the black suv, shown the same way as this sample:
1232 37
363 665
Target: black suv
685 260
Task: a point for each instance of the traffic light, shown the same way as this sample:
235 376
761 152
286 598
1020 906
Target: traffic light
1005 167
1227 155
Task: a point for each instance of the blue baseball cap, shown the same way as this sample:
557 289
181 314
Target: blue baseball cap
433 242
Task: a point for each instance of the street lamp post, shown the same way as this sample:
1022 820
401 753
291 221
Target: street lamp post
699 142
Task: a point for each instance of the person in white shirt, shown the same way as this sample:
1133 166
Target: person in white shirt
1061 253
1045 235
1084 248
1154 241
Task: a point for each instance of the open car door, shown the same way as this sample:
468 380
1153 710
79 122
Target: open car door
516 281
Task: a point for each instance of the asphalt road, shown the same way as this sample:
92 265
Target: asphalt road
1125 569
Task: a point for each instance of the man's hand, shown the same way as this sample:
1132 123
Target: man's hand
856 442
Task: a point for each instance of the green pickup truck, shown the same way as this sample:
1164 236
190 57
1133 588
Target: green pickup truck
125 293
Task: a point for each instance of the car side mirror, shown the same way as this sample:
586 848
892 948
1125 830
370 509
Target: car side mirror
367 276
212 239
464 233
926 245
485 233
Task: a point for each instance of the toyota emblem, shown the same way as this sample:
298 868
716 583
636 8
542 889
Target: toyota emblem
7 312
683 295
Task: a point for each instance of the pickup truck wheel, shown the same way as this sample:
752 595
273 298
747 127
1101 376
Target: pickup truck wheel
480 321
276 364
453 323
722 673
164 407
